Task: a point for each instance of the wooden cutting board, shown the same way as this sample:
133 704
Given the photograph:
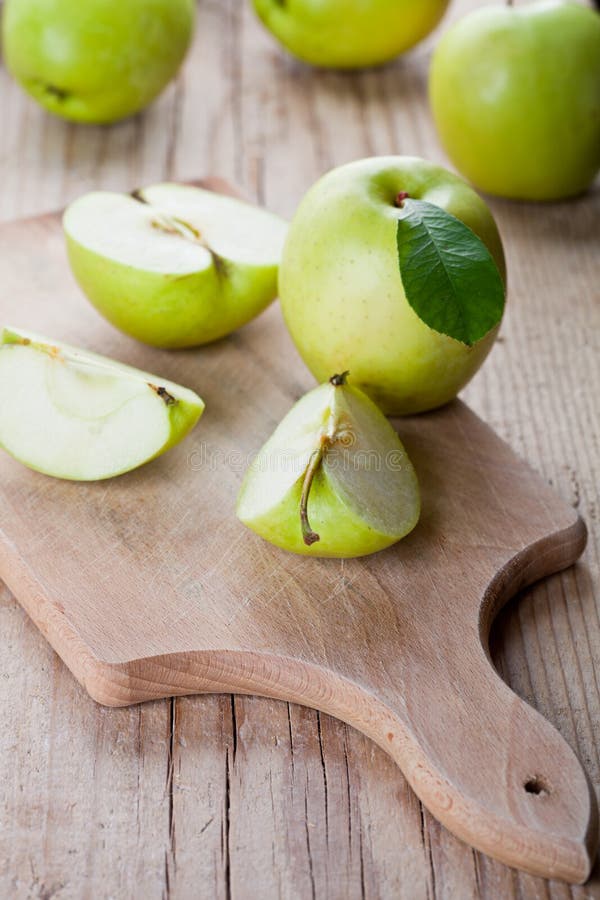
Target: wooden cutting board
148 586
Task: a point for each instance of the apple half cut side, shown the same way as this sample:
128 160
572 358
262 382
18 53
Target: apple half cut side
173 265
334 479
75 415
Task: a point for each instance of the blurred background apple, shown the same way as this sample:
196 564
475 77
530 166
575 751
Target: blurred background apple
95 61
515 94
348 34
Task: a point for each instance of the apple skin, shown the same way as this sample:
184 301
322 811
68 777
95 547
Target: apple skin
515 94
172 311
343 533
341 291
349 34
96 61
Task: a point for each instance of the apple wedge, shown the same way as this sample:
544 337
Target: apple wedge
334 479
173 265
75 415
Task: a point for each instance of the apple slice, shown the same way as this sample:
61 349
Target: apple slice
334 478
76 415
173 265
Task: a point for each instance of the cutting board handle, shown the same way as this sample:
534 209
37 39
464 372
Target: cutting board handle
483 761
492 769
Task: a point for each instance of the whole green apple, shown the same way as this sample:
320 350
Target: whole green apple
349 34
515 93
95 61
342 294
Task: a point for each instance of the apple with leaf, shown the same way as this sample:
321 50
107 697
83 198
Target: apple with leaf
393 269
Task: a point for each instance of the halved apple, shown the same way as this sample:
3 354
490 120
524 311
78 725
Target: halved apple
174 265
79 416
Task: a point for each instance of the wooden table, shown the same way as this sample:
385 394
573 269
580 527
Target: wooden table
241 797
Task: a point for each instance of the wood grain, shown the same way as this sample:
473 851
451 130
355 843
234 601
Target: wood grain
148 586
88 804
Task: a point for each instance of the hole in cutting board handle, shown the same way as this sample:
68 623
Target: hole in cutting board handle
536 786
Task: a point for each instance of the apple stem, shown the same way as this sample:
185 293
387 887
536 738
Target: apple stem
163 393
400 198
309 536
338 380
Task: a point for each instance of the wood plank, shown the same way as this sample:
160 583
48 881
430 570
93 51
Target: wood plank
541 373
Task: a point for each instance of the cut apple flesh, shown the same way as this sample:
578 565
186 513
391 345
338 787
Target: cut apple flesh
369 469
174 229
79 416
233 230
131 233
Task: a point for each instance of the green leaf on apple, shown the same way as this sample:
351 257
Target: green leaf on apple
449 276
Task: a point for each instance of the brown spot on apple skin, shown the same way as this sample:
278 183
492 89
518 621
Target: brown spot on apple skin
167 398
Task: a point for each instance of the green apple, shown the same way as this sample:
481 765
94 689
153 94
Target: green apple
349 34
76 415
333 479
95 61
515 94
173 265
341 291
